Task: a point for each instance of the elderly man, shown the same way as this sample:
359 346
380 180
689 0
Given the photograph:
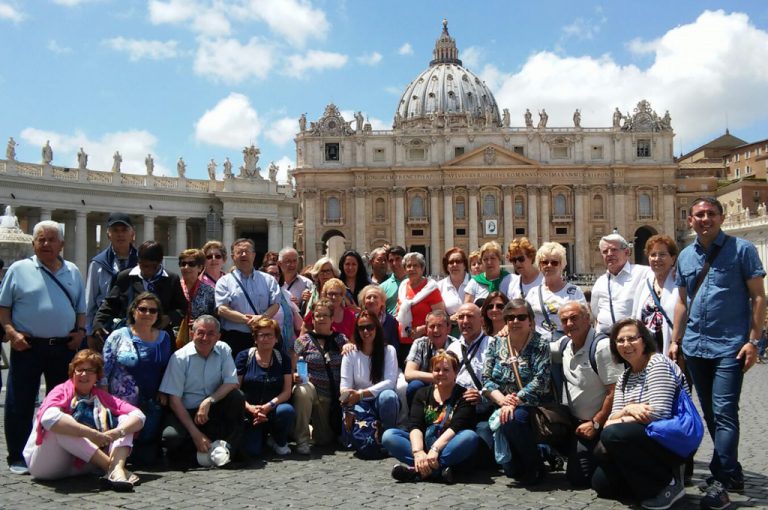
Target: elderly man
392 284
379 265
718 320
589 374
614 292
104 267
300 287
42 310
148 275
201 383
244 296
417 371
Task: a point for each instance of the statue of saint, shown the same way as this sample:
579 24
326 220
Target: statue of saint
250 160
273 168
149 162
488 117
577 118
528 118
543 118
117 160
47 153
359 121
505 120
228 169
666 121
10 150
181 167
303 122
617 118
212 170
82 159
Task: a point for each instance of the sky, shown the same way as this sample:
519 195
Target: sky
204 78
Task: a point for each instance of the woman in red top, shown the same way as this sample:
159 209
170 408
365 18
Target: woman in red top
417 296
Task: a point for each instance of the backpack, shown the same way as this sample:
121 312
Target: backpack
558 378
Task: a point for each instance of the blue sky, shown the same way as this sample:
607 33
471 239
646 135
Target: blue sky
202 78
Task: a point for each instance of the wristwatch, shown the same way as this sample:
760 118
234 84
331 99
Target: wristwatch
754 341
595 425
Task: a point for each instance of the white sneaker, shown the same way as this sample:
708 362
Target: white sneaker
303 449
280 450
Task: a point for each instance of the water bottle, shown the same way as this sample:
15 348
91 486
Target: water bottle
301 369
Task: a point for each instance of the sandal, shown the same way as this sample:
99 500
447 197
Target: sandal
133 478
111 481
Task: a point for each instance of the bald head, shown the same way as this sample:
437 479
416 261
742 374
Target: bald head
470 321
575 318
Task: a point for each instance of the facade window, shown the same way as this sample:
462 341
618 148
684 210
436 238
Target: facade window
519 149
597 152
560 152
458 151
738 172
597 207
749 169
379 154
417 207
416 154
489 205
683 213
333 210
560 205
519 231
332 152
379 210
461 209
519 207
644 148
644 206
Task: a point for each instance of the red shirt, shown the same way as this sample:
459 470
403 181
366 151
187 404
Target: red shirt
420 310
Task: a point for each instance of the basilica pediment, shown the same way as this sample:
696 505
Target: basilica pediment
491 155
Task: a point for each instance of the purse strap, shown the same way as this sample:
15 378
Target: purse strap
714 251
657 302
247 297
466 361
327 360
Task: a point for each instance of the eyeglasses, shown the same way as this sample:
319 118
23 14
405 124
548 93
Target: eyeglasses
214 256
187 263
627 339
496 306
265 336
455 261
366 327
85 371
146 309
553 263
325 271
333 294
319 316
522 317
517 260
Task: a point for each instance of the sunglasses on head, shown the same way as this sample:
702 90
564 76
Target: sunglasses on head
214 256
522 317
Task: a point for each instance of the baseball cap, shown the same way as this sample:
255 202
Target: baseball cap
118 217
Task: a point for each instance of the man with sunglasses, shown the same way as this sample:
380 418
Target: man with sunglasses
613 294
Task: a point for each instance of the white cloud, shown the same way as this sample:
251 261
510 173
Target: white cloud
314 60
57 48
406 49
72 3
282 130
211 22
295 20
471 56
585 28
229 61
11 13
133 146
376 123
173 11
699 72
370 59
138 49
232 123
640 47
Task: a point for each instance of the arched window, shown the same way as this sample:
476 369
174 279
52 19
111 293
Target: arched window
461 208
519 207
379 209
597 207
333 209
560 207
489 205
644 206
417 207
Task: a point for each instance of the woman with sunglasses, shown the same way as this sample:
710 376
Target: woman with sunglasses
343 317
492 278
632 463
493 321
547 298
521 253
369 373
135 358
322 271
517 377
200 297
215 258
452 287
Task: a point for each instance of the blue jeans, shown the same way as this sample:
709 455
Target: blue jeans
413 387
718 383
386 406
279 424
526 461
460 448
51 361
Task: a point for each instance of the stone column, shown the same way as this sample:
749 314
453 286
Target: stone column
81 241
149 228
472 206
581 224
400 216
45 214
668 211
533 213
507 216
274 236
181 235
310 236
361 219
544 214
69 236
229 233
448 216
619 210
435 252
287 224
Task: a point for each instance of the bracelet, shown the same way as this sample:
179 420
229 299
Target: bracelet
434 449
418 451
273 402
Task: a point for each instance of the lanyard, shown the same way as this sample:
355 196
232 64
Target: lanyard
610 300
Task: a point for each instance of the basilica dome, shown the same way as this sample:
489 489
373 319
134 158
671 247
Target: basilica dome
446 93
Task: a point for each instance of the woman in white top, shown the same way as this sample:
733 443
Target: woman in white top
452 287
521 253
547 298
369 374
493 278
656 298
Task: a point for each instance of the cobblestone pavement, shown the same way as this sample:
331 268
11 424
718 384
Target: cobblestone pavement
338 480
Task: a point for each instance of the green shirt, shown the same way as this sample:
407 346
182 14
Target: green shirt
390 287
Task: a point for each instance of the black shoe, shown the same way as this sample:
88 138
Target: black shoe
531 480
716 497
403 473
446 474
733 485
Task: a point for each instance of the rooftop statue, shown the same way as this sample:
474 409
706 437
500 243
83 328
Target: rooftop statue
528 118
181 167
250 160
303 122
47 153
228 168
10 150
273 169
149 162
543 118
212 170
82 159
577 118
505 120
117 160
617 118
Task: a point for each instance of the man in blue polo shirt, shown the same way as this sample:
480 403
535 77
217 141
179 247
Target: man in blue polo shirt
42 310
718 320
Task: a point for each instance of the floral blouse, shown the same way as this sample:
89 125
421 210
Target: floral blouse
533 365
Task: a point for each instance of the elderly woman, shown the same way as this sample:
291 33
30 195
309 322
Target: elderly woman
215 258
135 358
655 300
374 300
441 427
317 400
322 271
417 365
632 463
517 377
547 298
80 428
354 276
521 253
266 378
475 263
452 287
369 373
343 320
287 316
416 297
493 321
493 278
200 297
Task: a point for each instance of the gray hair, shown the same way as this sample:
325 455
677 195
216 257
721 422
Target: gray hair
614 238
415 256
583 308
48 225
319 265
207 319
376 252
372 288
440 314
285 251
554 249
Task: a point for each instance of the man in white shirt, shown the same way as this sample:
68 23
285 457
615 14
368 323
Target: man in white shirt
613 294
293 282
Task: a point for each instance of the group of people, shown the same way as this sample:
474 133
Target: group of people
448 375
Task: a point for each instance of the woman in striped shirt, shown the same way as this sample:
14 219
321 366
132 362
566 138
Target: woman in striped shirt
631 463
